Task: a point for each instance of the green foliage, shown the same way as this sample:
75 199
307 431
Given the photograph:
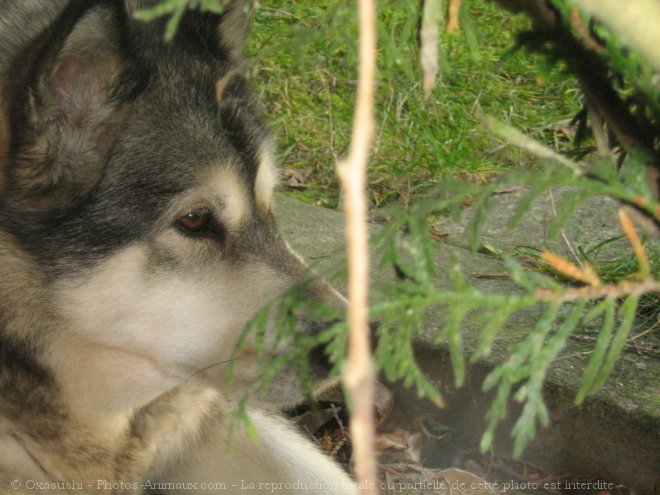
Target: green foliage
175 10
405 244
600 177
615 70
527 366
276 328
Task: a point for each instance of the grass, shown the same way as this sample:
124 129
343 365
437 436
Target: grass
304 54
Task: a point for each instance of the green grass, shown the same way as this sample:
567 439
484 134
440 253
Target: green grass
304 54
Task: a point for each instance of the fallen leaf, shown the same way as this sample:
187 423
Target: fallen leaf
437 234
464 482
391 441
295 178
453 16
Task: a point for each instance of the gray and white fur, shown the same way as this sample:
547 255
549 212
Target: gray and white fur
137 239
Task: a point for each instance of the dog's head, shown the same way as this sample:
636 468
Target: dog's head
138 179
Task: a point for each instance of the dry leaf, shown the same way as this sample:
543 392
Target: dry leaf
395 440
438 235
295 178
636 244
453 16
463 482
565 267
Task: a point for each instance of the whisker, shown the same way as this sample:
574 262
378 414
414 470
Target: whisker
206 368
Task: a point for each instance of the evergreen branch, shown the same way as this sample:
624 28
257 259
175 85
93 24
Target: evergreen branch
526 143
596 360
396 357
597 180
553 38
615 290
627 313
532 392
636 23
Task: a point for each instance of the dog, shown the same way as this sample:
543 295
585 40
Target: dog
137 240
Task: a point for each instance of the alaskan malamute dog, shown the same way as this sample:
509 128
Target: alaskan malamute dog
136 240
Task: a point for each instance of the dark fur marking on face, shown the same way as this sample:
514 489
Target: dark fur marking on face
160 259
244 130
160 149
198 31
23 381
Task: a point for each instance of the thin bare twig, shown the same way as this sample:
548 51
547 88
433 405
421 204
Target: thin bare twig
430 38
358 374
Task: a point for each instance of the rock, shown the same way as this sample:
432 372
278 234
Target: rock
617 431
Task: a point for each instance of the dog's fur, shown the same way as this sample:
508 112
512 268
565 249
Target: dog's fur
111 305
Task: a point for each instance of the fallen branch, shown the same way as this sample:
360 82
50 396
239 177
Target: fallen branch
636 21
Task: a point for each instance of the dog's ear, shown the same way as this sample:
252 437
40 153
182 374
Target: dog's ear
65 105
221 34
234 27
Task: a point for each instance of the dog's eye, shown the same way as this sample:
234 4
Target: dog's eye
201 224
196 220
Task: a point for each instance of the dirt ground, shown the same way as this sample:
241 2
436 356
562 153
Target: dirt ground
423 455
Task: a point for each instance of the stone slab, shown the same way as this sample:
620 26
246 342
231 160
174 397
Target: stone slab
617 431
